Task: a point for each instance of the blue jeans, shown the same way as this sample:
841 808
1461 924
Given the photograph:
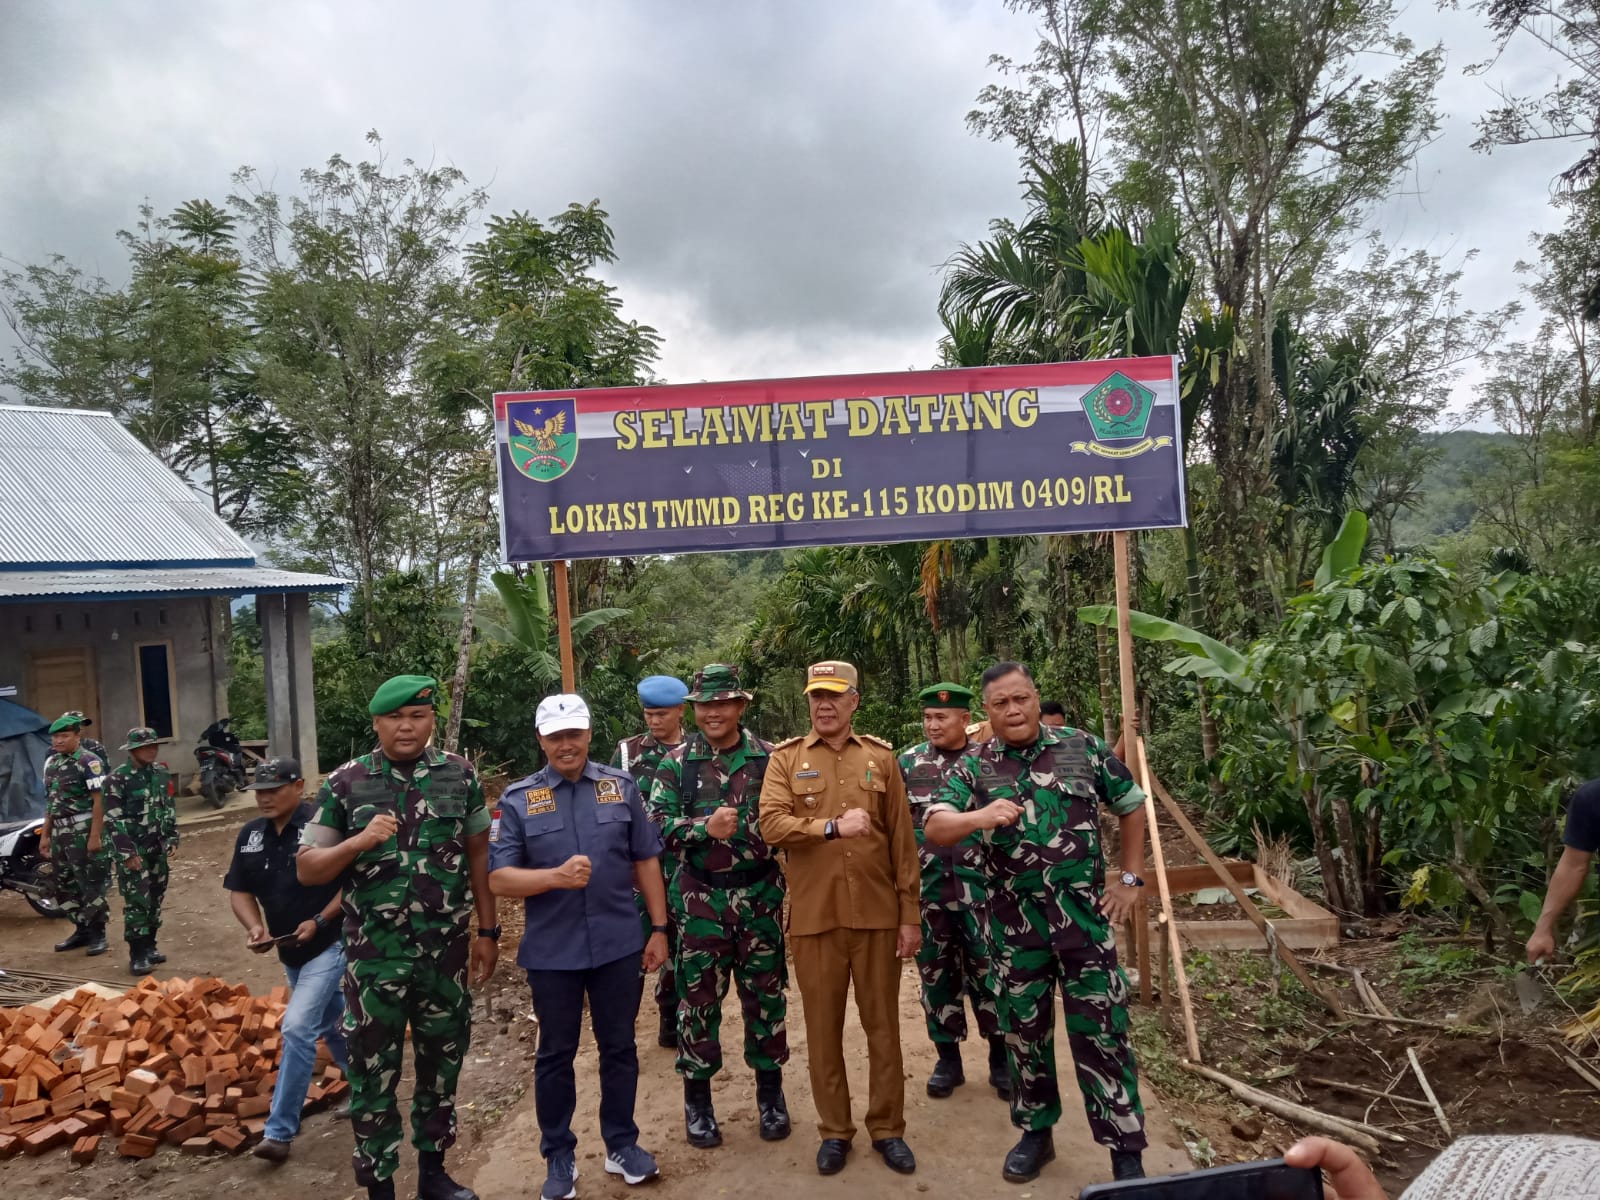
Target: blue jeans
315 1008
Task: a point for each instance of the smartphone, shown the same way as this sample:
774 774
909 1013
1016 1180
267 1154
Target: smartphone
1273 1179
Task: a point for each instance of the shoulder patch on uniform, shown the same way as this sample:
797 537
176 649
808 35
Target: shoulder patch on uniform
614 772
789 742
607 791
876 741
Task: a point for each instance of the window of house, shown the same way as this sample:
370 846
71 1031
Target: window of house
157 704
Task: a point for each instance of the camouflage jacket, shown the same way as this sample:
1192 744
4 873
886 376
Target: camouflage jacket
409 898
952 876
1048 870
641 757
138 809
721 778
70 782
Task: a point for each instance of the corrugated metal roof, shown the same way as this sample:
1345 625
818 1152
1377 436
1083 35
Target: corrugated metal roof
136 582
77 489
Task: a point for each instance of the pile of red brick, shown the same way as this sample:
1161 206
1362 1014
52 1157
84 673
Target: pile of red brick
181 1062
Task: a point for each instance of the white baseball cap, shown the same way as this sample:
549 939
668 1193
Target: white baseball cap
557 713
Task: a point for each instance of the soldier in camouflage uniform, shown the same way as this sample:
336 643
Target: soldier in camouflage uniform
955 959
661 697
1035 793
85 742
407 829
728 899
143 826
73 834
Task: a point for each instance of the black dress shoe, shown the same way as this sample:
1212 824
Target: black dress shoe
772 1112
896 1154
699 1121
831 1155
78 937
1127 1164
999 1072
1029 1156
948 1074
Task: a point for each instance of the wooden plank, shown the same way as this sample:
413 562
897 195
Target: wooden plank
1327 996
1146 780
569 675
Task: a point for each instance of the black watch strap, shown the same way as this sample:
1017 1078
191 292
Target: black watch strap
658 929
320 921
492 932
829 831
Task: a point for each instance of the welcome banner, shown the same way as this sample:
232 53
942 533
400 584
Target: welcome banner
906 456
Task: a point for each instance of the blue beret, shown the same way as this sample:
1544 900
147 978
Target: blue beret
661 691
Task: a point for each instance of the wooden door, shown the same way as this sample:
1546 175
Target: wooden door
62 681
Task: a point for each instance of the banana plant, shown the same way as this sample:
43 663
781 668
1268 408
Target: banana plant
531 624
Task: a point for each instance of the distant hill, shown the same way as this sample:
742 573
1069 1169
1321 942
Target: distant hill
1447 505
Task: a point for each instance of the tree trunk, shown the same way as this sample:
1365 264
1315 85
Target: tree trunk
469 608
1474 885
1349 861
1109 721
1311 794
1210 744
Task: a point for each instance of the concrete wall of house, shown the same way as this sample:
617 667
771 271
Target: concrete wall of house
112 631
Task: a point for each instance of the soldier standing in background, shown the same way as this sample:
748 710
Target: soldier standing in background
406 830
1053 713
728 901
955 959
834 801
143 827
1035 794
88 743
73 834
661 697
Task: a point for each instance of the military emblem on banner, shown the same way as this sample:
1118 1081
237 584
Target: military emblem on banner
1119 410
542 436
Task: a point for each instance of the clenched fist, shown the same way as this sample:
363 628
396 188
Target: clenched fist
379 830
574 873
999 812
856 822
723 822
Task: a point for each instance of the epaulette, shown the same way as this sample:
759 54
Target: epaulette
877 741
799 737
617 771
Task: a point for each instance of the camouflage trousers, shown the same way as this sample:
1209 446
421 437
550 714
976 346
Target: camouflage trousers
80 877
723 933
143 891
667 977
1094 993
382 996
954 962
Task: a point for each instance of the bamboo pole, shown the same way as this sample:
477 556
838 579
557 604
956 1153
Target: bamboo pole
569 673
1173 947
1357 1133
1327 995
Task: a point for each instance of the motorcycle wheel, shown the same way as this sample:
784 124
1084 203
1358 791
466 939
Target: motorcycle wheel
45 908
214 791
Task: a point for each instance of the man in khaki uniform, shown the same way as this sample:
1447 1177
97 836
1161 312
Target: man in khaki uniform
835 802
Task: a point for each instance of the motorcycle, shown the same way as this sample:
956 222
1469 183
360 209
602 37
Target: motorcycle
220 756
22 870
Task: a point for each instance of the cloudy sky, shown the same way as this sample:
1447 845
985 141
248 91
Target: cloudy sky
784 179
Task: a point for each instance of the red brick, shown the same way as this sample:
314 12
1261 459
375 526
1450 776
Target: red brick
85 1148
134 1146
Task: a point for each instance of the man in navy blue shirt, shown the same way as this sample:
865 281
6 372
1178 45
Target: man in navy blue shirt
1581 839
574 842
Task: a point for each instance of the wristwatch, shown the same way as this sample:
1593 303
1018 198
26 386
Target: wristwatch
830 830
658 929
320 921
492 932
1129 879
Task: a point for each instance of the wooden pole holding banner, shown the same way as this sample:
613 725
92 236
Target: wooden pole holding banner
1132 754
569 673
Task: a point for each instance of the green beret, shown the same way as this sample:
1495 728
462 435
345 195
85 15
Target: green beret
945 695
71 720
401 691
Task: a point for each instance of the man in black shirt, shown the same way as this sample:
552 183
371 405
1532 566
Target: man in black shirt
1582 839
301 921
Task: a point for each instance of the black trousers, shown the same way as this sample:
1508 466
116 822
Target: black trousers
613 990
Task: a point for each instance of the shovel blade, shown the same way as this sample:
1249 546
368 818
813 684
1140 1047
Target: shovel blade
1530 991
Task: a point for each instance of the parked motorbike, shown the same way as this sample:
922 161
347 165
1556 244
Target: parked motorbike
22 870
220 756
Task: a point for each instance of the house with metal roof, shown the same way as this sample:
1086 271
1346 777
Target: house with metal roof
115 582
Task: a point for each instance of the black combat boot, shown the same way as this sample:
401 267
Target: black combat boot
699 1121
1127 1164
381 1191
434 1184
96 945
999 1072
139 962
667 1034
156 956
771 1109
78 937
948 1074
1028 1157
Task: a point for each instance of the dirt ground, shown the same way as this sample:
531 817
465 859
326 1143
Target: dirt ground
959 1142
